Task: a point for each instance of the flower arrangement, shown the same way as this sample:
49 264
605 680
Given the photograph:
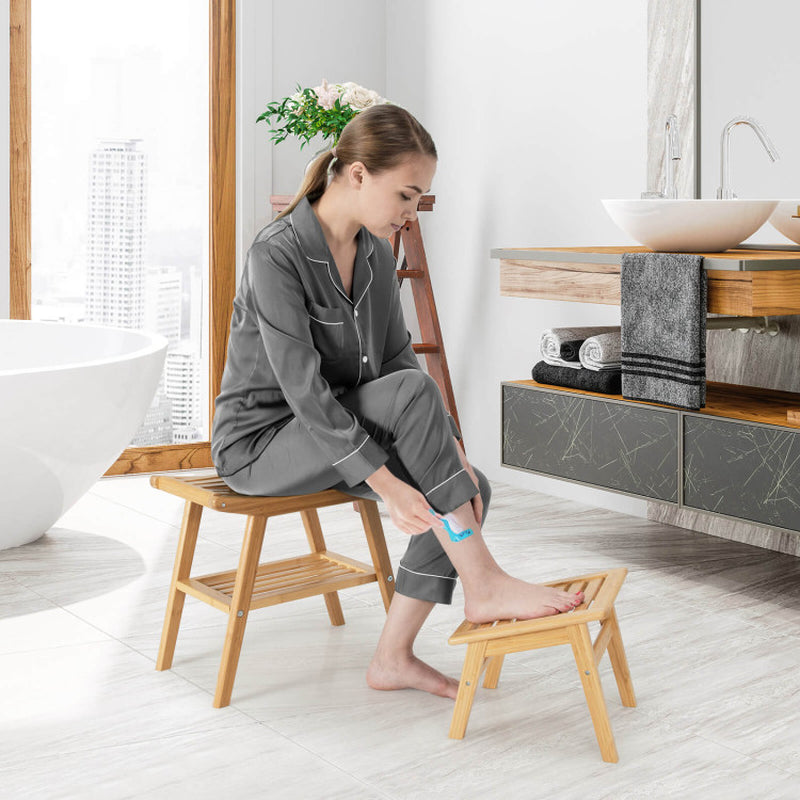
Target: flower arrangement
323 110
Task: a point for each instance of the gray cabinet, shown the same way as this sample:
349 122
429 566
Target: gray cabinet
615 445
742 470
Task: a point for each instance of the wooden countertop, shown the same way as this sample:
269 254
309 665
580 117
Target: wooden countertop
748 403
741 282
740 258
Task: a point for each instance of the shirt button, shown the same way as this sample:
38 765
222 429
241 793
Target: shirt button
364 359
355 313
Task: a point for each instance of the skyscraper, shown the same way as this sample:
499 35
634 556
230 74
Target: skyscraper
183 389
115 281
162 307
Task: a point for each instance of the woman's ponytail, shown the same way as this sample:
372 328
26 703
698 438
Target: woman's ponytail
314 182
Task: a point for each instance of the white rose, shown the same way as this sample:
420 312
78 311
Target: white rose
359 98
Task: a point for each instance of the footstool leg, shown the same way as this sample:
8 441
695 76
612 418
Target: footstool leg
493 671
316 542
184 556
587 667
619 663
470 675
240 607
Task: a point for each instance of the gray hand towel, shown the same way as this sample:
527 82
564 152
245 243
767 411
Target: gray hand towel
558 342
664 328
602 352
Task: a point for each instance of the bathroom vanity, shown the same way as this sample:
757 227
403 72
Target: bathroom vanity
738 457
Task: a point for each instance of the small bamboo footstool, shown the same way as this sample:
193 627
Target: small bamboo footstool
488 643
255 585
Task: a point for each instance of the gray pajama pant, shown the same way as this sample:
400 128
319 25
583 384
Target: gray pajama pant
403 412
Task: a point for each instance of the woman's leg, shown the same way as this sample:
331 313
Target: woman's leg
425 577
415 426
394 665
404 413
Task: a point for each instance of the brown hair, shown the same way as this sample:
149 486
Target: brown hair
380 137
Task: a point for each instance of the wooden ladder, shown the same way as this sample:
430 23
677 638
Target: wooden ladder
414 267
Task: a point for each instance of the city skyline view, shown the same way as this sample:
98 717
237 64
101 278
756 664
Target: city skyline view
120 140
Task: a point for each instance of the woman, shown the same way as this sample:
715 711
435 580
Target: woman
322 389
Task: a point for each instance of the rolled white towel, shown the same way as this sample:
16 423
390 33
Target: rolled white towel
553 338
602 352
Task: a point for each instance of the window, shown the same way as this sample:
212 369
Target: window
112 200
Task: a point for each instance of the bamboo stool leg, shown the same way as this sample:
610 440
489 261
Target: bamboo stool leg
587 667
240 606
371 519
470 675
493 667
192 512
316 542
619 663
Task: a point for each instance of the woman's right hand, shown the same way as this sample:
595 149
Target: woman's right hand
408 508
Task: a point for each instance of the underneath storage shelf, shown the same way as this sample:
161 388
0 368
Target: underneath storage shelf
283 581
747 403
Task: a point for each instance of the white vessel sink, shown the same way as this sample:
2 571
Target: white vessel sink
690 226
786 219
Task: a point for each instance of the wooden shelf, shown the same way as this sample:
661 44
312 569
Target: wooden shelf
282 581
740 282
748 403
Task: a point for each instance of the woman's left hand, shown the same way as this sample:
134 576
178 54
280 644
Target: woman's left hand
477 501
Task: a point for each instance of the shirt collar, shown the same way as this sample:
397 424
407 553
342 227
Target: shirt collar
311 238
312 242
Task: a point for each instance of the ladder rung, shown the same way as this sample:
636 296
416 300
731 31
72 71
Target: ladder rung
410 273
425 347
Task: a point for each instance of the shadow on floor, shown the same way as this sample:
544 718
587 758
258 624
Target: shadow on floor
719 563
67 566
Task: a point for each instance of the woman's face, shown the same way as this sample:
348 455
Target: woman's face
387 200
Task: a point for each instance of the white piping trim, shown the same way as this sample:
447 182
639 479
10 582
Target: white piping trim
317 261
351 454
327 264
427 574
355 305
294 231
445 481
360 351
322 321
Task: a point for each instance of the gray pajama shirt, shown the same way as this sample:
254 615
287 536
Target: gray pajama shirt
321 389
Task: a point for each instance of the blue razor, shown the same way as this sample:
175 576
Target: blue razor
455 536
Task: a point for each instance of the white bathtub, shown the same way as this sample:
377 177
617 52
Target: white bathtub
71 399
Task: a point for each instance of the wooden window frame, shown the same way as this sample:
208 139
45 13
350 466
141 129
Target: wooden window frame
222 210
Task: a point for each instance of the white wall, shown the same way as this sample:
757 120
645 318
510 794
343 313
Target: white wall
538 110
316 39
750 64
283 43
4 169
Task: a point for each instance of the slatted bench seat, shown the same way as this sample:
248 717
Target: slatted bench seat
253 585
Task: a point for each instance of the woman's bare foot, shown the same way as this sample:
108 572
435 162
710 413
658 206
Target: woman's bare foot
408 672
510 598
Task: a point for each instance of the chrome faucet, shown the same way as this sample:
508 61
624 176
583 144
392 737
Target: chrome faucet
724 192
672 153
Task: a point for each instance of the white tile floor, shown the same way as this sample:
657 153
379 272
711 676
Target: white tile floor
711 628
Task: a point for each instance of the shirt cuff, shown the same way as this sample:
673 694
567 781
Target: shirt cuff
362 462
